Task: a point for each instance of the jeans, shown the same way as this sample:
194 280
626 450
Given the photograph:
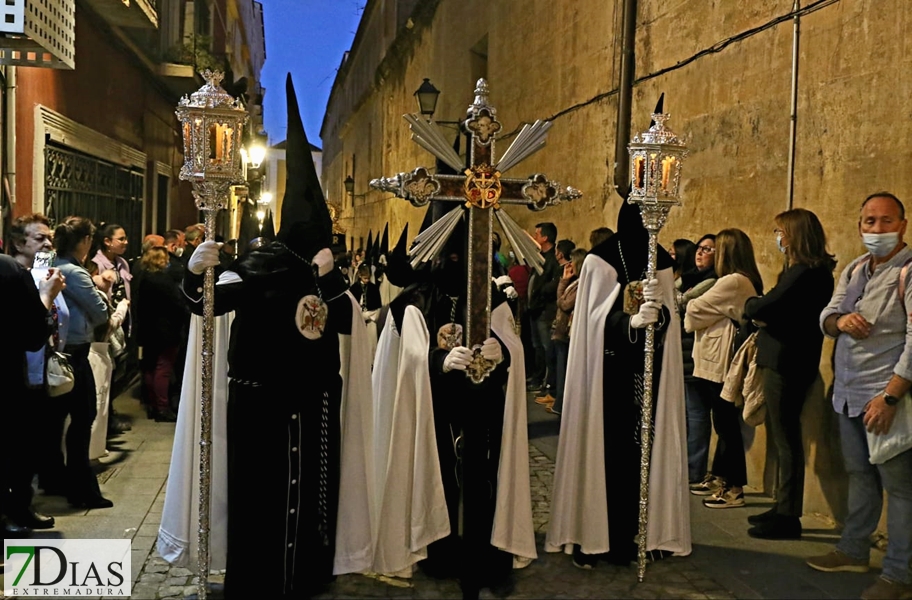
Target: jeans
544 366
561 351
866 485
698 395
729 462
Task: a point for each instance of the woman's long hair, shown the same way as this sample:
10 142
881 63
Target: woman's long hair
70 232
807 244
735 254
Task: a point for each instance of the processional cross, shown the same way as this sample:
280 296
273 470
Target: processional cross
480 191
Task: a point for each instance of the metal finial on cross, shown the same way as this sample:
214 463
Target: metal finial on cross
481 190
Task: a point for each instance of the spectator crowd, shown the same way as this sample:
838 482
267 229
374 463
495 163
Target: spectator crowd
750 353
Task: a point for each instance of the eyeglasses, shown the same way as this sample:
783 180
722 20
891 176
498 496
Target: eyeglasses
121 239
705 249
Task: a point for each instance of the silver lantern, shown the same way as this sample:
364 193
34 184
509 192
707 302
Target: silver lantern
655 179
212 122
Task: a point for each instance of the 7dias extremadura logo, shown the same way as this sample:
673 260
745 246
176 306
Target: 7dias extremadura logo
67 568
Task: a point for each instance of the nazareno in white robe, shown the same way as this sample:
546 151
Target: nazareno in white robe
578 502
409 504
177 540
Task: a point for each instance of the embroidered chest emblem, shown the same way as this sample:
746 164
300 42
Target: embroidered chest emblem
449 336
310 317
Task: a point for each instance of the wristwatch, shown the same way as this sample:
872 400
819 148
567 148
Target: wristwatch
890 400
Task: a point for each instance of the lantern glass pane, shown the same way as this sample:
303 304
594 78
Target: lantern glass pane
639 171
668 167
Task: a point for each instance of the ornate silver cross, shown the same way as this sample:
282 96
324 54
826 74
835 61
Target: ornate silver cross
480 190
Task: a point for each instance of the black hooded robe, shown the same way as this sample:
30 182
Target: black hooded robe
283 425
623 366
468 423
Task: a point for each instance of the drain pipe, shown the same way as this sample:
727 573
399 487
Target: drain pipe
793 116
625 99
10 117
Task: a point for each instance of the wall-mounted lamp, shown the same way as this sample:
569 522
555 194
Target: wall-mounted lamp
349 185
427 95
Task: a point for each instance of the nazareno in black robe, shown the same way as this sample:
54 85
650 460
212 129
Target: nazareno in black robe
623 366
468 422
283 425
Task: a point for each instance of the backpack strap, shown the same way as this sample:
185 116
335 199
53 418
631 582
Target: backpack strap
903 273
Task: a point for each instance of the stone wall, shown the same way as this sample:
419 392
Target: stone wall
732 106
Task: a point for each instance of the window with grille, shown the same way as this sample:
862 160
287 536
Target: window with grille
79 184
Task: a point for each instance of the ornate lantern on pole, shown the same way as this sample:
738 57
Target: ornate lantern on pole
211 123
655 176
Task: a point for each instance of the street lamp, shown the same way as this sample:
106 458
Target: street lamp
427 94
655 175
256 155
211 124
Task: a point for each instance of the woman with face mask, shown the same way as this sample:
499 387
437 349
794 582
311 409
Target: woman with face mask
789 344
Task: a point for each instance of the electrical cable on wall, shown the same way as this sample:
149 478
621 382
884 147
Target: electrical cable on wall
714 49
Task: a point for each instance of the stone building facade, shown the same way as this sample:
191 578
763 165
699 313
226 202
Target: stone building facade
727 69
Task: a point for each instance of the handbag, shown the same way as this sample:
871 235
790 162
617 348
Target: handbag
60 376
58 372
883 447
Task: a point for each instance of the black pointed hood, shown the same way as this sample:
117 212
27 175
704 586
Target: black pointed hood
659 109
306 226
398 270
369 247
268 230
384 241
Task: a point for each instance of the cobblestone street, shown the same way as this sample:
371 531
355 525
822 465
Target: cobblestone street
725 563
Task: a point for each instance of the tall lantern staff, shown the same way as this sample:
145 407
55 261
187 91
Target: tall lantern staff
211 122
655 175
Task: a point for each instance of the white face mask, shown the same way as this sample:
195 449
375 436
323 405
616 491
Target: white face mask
779 245
880 244
178 251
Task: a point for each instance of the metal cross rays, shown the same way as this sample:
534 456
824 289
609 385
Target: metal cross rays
480 190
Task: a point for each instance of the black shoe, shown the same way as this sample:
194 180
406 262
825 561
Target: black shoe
777 528
503 588
117 426
93 502
763 517
165 416
30 519
533 387
12 530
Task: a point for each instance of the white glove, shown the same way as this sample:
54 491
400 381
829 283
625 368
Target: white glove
490 350
511 292
649 314
651 291
503 280
459 358
324 261
206 255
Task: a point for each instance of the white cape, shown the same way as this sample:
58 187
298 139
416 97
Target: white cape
177 540
410 507
177 534
579 504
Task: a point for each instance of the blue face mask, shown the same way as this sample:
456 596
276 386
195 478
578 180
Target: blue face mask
779 245
880 244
